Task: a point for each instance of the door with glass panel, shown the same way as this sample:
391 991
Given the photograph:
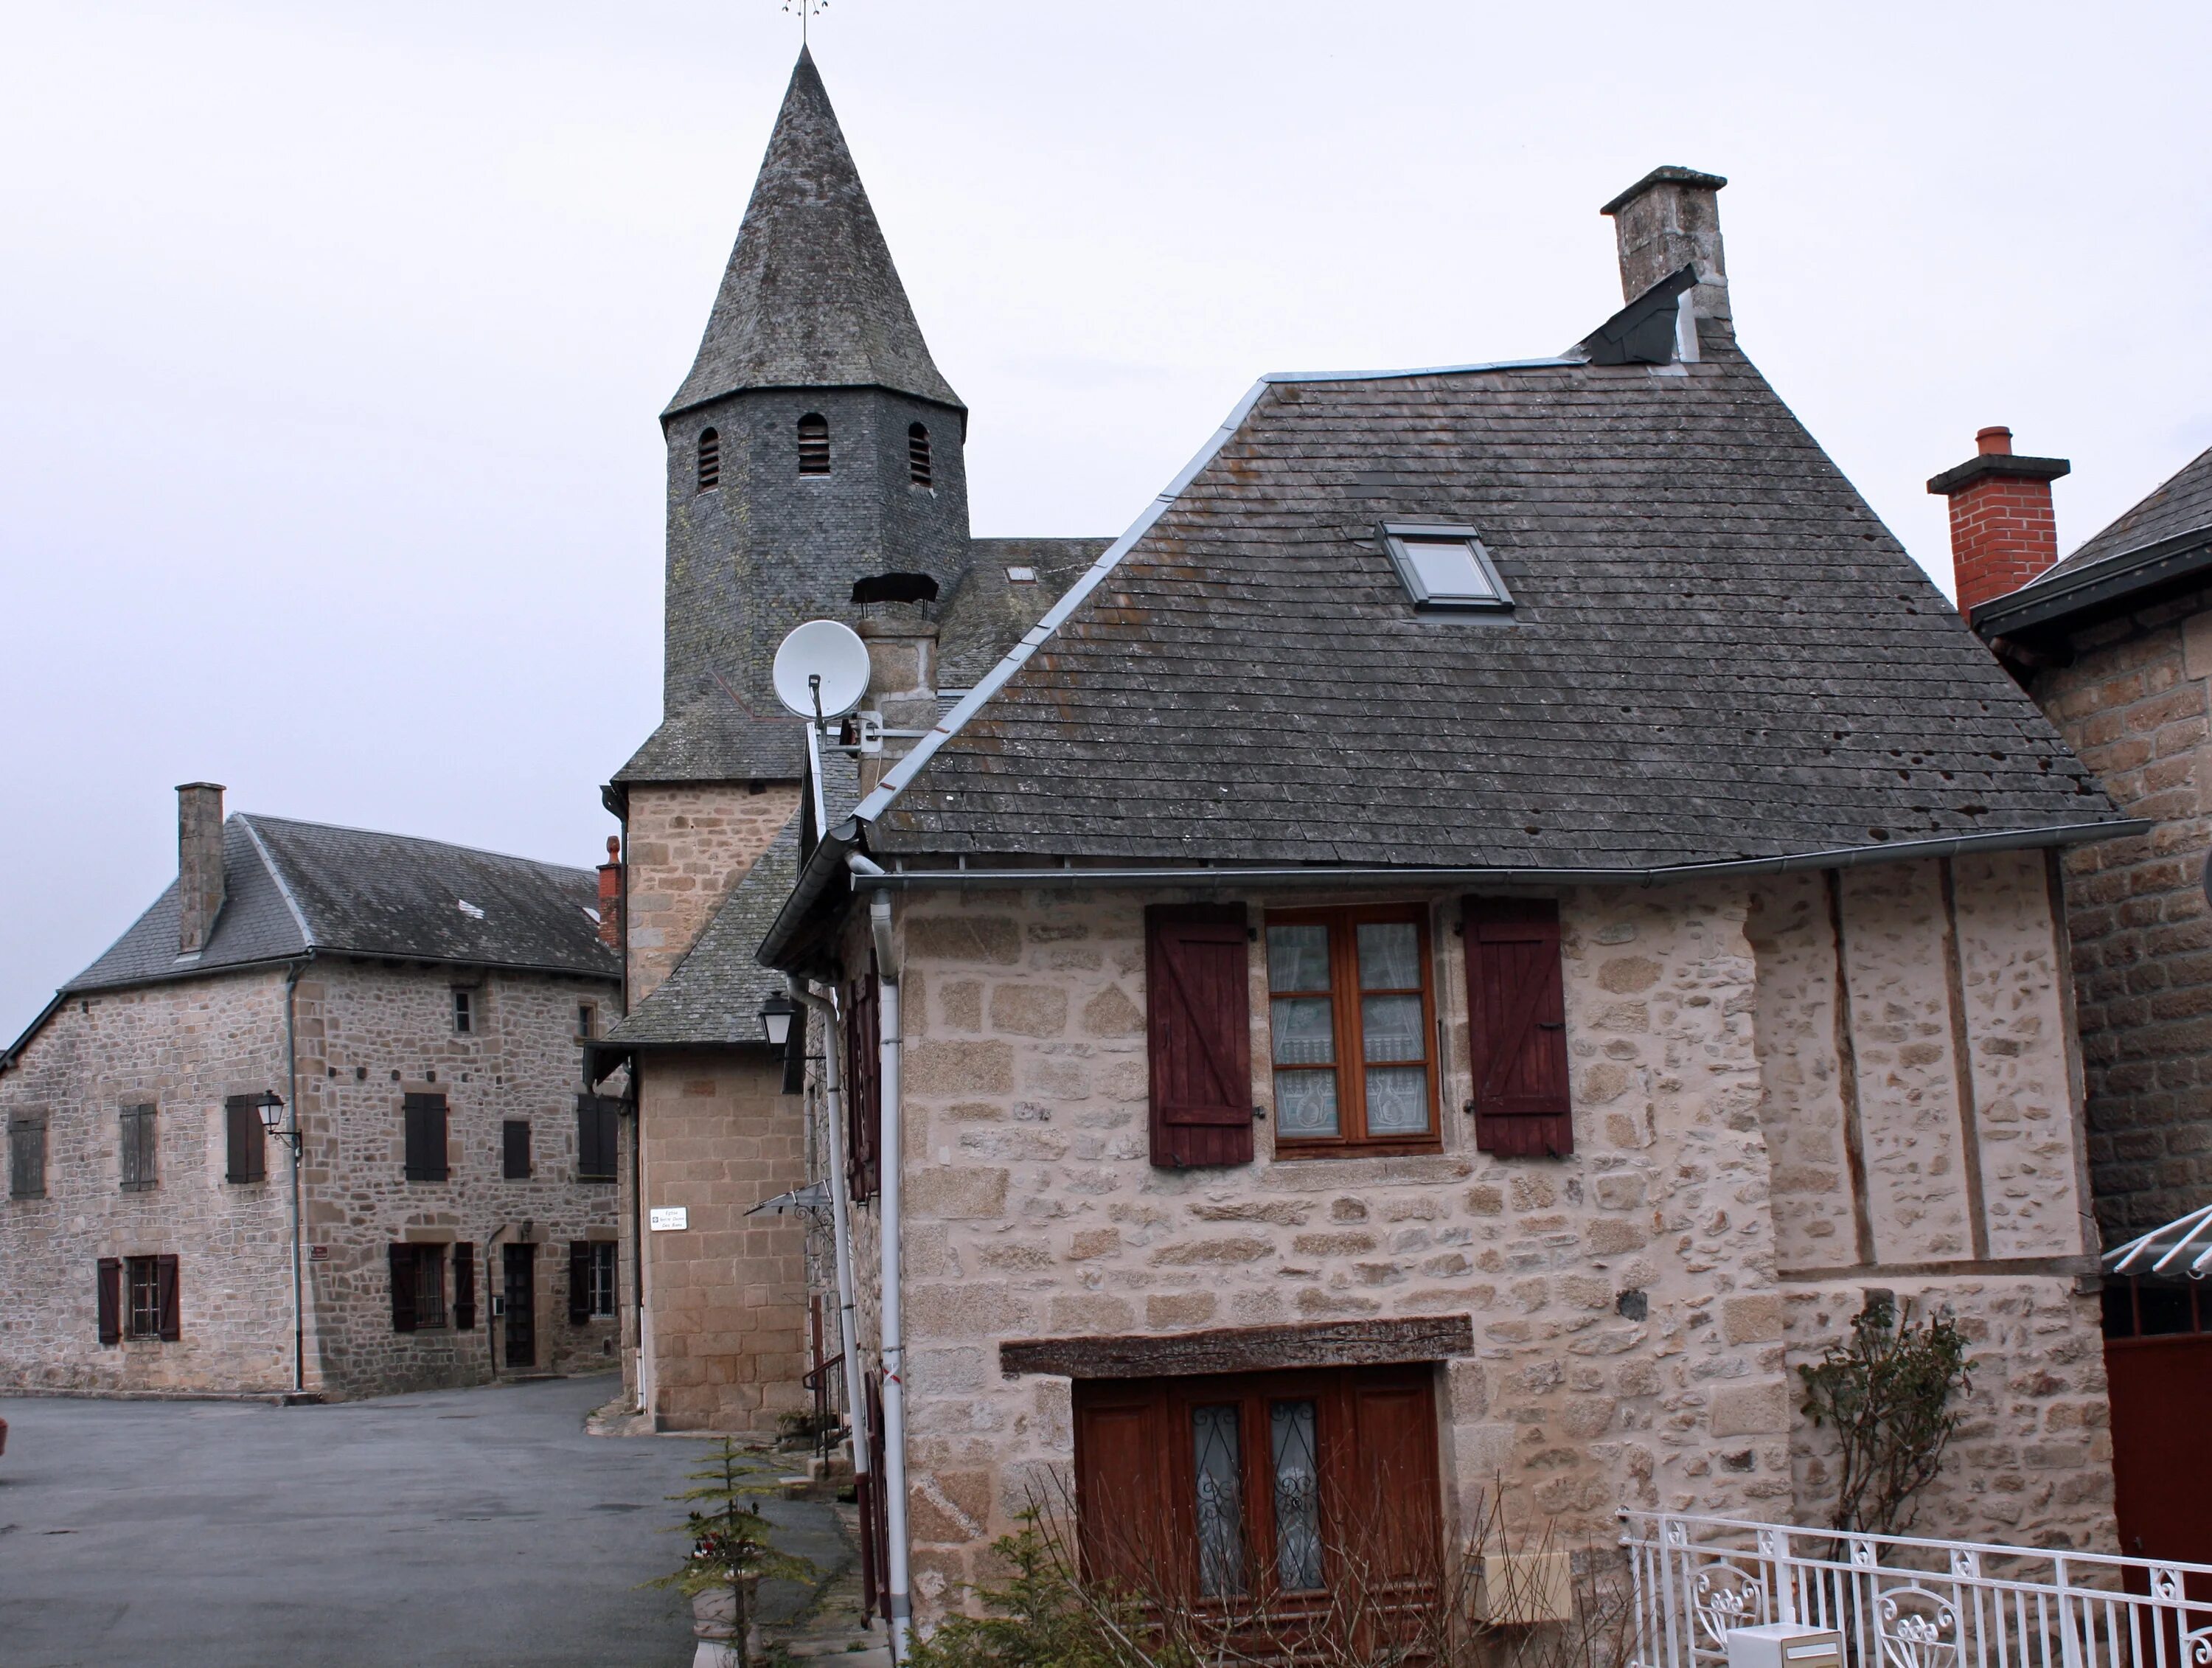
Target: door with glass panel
1282 1506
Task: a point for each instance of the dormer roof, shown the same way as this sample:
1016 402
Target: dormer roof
811 298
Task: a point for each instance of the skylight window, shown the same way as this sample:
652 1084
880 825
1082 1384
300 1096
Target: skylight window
1021 576
1444 567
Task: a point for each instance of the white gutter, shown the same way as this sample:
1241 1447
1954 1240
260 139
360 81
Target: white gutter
848 1341
949 725
888 1148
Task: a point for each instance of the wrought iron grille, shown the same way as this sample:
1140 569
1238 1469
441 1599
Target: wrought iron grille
1907 1603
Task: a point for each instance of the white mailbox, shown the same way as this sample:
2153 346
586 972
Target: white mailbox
1785 1645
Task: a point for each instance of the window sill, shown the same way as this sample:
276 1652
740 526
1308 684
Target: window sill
1285 1150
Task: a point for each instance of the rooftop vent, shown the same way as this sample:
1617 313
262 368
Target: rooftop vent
917 455
710 459
814 444
1444 567
895 587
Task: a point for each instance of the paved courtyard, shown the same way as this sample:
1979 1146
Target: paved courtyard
456 1529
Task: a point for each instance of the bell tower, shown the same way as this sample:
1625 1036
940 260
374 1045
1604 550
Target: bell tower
814 445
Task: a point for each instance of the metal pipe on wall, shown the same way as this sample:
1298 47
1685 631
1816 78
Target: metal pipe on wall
840 1224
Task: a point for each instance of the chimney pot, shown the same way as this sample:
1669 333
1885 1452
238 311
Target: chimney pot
2004 532
199 863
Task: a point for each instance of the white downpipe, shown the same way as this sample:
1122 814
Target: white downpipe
887 1150
848 1341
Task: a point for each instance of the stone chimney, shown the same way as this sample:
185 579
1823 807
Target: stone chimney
1666 221
199 863
902 639
2002 531
611 895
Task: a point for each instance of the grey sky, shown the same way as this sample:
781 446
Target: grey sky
332 338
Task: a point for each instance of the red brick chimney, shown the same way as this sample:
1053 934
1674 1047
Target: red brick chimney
2002 532
611 895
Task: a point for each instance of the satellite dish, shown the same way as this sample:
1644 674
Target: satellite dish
822 658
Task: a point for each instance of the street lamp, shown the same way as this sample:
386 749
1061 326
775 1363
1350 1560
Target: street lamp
776 1015
276 1126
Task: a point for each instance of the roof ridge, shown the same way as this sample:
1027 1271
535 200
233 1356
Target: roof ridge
277 874
583 870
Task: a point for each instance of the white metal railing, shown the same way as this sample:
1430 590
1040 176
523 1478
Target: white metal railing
1903 1602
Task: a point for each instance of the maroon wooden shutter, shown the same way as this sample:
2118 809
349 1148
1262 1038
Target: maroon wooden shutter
403 1286
863 1092
1518 1014
111 1300
1395 1506
1198 1003
165 1293
579 1282
464 1288
1124 1519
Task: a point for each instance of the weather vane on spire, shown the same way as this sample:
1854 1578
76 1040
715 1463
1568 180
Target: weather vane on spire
805 9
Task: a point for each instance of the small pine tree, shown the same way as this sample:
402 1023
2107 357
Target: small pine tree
729 1540
1040 1616
1888 1393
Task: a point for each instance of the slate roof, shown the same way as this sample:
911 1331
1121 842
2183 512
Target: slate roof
987 613
809 298
291 887
1718 652
714 995
715 740
2183 505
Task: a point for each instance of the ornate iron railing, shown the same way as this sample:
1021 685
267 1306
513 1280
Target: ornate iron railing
1905 1603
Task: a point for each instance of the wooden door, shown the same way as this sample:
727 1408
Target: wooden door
2161 1394
521 1293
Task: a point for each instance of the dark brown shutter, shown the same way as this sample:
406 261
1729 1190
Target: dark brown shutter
515 1149
111 1300
464 1288
248 1149
425 1116
1198 1003
165 1293
403 1286
1517 1010
597 1143
863 1091
579 1282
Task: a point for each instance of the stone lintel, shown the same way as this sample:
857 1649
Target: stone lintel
1242 1349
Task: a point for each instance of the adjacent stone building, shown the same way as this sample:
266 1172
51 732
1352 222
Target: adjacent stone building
2115 643
1474 939
423 1009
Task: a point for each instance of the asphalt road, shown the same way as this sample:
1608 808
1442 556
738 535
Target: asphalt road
456 1529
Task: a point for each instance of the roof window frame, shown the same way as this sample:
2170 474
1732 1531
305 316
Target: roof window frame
1394 535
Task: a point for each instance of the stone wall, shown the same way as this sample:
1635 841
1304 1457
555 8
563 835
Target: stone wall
184 1047
1636 1312
2133 705
726 1297
686 846
368 1034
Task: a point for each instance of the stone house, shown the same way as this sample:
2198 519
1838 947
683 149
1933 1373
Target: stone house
423 1010
816 470
1471 942
2115 644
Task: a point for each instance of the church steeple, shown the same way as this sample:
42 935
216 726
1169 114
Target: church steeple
811 298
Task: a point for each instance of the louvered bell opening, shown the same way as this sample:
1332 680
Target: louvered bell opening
917 455
710 460
813 445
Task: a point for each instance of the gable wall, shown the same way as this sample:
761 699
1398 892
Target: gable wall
1703 1039
2134 705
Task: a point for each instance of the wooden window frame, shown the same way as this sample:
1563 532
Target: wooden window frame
464 1011
1165 1470
1352 1138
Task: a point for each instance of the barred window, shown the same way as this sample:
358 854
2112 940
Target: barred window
604 1256
26 1158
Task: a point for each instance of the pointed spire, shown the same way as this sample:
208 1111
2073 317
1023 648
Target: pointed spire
811 298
